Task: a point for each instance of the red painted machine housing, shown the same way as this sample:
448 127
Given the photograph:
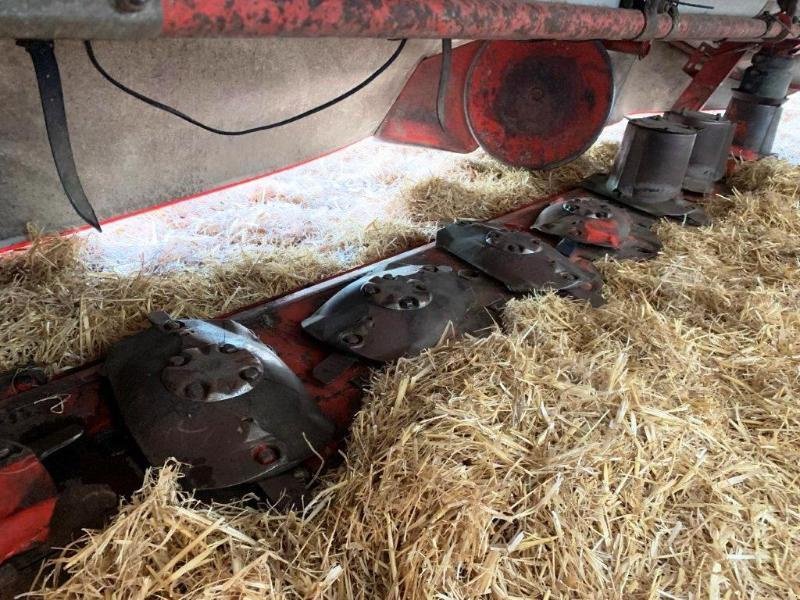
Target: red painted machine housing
539 104
413 118
27 500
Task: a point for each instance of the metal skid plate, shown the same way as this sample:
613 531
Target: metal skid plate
518 259
210 394
605 228
538 104
403 309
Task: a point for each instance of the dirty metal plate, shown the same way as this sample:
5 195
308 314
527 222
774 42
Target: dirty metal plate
538 104
521 261
605 228
404 309
227 433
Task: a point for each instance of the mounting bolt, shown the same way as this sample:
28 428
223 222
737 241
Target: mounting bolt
178 360
408 303
264 455
172 325
369 289
130 5
195 391
228 348
352 339
249 374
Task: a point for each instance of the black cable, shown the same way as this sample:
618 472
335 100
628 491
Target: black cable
174 111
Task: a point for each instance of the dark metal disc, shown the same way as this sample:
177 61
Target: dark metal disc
538 104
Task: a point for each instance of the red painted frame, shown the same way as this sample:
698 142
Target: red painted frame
453 19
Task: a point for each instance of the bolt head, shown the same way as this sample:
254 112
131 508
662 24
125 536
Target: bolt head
352 339
408 303
249 374
369 289
265 455
178 360
228 348
195 391
172 325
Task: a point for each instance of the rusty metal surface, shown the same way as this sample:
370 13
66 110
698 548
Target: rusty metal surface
521 261
711 149
466 19
413 118
756 120
590 220
403 309
755 107
455 19
770 73
538 104
228 433
709 66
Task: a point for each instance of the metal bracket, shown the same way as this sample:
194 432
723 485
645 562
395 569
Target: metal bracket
55 120
651 9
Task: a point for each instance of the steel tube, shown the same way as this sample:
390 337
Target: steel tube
465 19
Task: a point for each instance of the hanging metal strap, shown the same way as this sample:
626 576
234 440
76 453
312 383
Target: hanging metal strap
55 120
